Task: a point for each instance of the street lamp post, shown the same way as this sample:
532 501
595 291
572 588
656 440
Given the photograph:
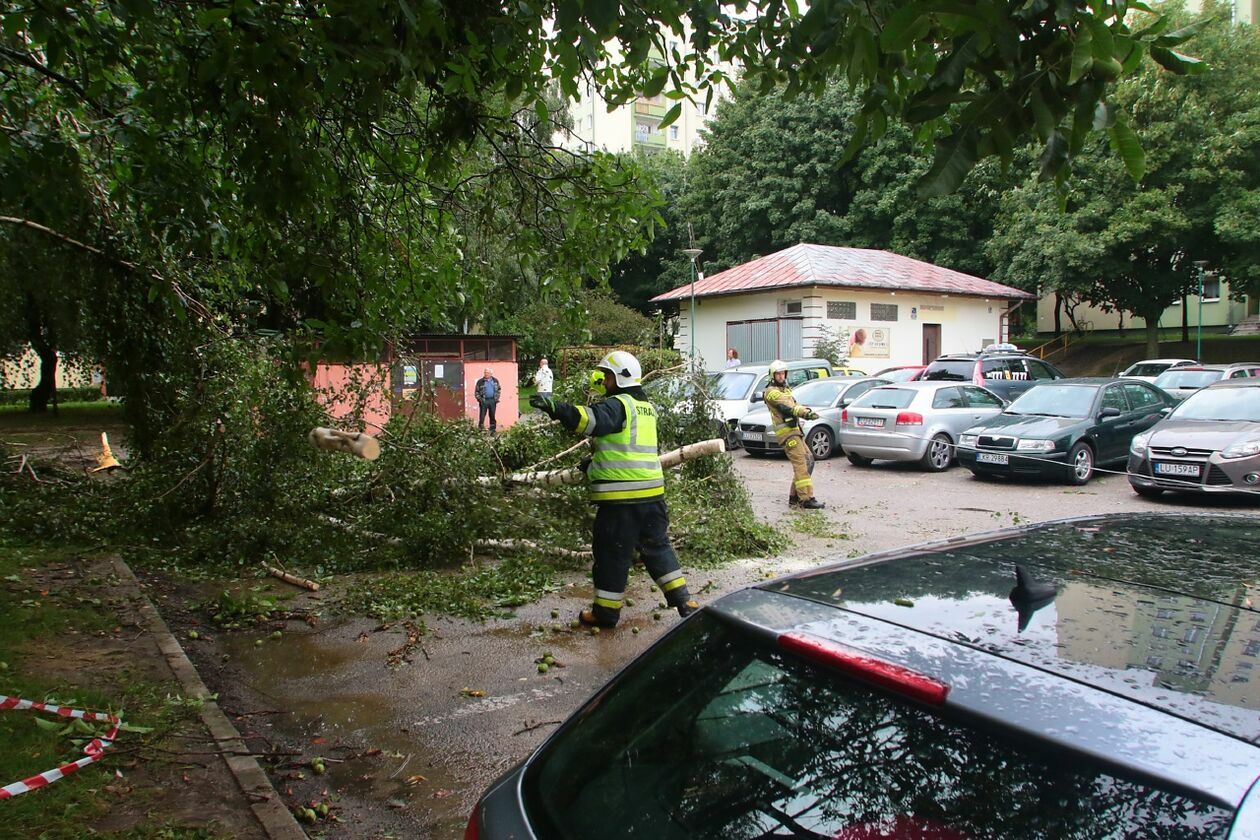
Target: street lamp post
1201 265
693 254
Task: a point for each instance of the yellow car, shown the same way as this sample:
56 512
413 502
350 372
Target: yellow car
845 371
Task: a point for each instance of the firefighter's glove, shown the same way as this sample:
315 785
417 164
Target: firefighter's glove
811 415
544 404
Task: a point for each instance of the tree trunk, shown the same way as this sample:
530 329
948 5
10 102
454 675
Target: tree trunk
1185 321
43 392
1058 314
1152 336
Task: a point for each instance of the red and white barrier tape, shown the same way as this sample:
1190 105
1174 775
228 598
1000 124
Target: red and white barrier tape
95 750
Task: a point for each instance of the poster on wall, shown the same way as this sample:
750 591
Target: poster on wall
867 342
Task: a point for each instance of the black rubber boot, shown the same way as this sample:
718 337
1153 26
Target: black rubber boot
688 608
597 616
813 504
794 501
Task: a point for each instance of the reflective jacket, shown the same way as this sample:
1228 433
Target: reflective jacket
625 463
784 412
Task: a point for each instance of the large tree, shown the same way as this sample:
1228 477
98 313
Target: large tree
1133 247
772 173
311 162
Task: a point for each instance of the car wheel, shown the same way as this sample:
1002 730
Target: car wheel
820 443
859 460
939 454
1081 464
1147 492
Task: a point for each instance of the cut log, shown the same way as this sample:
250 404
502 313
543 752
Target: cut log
293 579
356 443
513 544
555 478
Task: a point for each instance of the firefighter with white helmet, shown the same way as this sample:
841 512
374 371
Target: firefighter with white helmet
628 486
786 417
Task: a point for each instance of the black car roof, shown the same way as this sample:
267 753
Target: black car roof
1163 610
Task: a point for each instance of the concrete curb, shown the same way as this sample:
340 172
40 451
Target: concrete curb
276 820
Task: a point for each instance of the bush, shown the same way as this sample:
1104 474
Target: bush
22 396
572 361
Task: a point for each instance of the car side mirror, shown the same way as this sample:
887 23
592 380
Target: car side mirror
1108 412
1165 411
758 396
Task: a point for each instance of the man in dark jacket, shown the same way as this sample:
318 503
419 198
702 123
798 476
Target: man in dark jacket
628 487
487 392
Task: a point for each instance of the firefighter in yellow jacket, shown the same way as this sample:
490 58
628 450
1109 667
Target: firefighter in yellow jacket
627 485
786 417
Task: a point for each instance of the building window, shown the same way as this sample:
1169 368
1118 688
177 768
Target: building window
883 312
642 131
1252 649
1211 289
673 132
842 310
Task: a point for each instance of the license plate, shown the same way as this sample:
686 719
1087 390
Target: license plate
992 458
752 435
1191 470
870 422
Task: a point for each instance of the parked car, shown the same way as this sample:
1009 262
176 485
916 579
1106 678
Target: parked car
901 373
1103 689
826 396
1005 372
1148 369
1183 381
1210 443
1063 429
913 421
738 390
845 370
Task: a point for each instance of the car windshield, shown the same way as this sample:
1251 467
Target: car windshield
1148 369
899 374
731 386
820 393
1187 378
717 734
950 370
1221 404
885 398
671 388
1055 401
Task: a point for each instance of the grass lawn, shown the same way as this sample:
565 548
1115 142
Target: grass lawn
523 399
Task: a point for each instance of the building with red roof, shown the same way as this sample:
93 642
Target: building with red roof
890 309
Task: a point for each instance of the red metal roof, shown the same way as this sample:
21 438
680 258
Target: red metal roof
849 268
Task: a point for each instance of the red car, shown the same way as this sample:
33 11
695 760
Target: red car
902 373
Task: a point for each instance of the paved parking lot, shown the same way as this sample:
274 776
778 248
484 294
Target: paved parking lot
473 702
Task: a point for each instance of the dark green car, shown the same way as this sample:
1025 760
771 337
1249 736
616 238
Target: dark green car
1062 429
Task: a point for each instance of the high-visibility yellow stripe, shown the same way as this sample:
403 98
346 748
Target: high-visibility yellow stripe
674 584
585 424
608 603
804 482
625 495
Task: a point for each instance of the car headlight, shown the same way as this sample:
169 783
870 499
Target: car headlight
1242 449
1034 445
968 441
1139 443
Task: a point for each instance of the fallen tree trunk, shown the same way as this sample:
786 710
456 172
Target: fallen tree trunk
293 579
556 478
513 544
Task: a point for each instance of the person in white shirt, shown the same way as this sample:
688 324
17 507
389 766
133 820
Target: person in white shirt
732 358
544 378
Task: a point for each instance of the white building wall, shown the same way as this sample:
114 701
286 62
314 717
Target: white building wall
967 324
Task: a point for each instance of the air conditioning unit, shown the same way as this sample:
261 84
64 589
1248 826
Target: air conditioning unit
788 308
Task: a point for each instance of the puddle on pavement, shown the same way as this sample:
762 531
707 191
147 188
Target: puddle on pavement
334 712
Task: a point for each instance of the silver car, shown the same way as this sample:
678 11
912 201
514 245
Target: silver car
826 396
1181 382
1209 444
914 421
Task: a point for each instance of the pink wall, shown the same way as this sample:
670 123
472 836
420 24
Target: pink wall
509 404
339 387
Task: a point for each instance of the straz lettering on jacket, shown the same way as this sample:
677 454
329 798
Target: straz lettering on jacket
625 464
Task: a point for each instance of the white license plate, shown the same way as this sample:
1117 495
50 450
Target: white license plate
752 435
870 422
1177 469
992 458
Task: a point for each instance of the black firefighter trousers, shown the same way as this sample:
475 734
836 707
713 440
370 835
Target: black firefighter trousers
619 530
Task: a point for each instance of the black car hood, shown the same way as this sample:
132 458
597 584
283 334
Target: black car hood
1028 426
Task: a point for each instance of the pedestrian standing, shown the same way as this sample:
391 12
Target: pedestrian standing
487 392
544 378
627 485
732 358
786 416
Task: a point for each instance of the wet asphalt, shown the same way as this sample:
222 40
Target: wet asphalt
467 701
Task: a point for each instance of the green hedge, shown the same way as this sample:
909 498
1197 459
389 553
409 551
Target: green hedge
571 360
22 396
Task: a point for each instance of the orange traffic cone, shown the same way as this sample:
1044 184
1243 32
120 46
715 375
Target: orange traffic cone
106 460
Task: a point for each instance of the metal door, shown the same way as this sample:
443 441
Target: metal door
443 381
931 342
